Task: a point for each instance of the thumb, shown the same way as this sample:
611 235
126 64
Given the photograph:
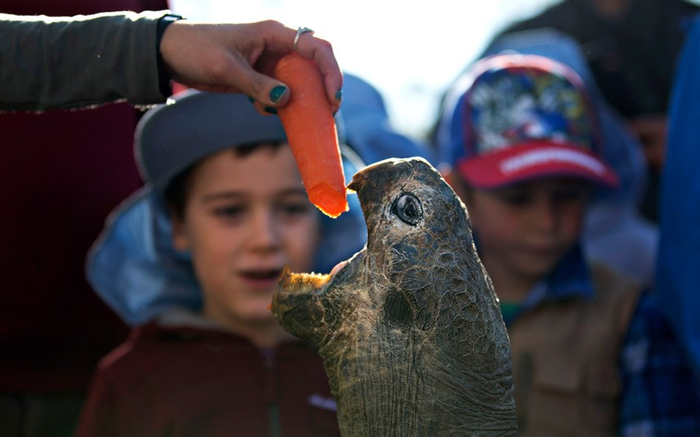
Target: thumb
266 90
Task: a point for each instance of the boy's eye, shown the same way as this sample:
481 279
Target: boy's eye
228 211
516 198
294 208
572 194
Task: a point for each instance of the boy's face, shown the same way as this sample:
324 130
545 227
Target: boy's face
525 229
245 218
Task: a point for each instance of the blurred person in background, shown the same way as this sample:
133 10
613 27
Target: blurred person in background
631 47
519 141
615 232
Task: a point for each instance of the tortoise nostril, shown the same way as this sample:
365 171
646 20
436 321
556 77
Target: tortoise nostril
397 309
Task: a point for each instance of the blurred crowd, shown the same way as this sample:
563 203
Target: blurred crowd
140 306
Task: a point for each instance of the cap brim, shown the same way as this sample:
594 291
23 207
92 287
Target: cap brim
171 137
535 160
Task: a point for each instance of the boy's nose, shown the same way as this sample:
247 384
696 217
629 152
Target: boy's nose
264 235
546 213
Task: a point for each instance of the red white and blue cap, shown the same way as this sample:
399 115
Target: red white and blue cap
515 117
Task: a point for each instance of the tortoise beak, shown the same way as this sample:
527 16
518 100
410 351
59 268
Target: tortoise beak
359 180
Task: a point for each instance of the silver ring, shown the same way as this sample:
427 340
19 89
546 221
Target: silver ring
300 32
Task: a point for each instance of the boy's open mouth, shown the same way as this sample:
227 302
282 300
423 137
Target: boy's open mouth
262 274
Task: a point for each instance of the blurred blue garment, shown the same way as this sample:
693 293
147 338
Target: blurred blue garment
135 254
661 396
615 232
678 268
366 126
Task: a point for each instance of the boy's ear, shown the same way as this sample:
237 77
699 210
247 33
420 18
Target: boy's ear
180 240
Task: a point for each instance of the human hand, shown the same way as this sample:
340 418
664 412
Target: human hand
241 58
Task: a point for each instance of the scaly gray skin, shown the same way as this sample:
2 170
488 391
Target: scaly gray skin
412 338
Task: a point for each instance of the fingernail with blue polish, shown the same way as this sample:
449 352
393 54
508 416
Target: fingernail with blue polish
277 93
252 100
339 95
270 110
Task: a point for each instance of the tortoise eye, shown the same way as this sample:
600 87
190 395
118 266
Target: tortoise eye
408 208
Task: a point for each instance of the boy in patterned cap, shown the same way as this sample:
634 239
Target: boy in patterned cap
519 143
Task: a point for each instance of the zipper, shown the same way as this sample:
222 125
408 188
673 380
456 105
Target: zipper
270 387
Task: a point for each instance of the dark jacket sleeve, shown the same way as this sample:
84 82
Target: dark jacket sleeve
80 61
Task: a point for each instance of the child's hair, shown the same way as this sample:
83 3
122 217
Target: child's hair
176 192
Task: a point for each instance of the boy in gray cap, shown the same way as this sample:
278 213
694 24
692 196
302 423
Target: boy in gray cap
192 261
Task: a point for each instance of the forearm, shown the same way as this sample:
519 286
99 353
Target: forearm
66 62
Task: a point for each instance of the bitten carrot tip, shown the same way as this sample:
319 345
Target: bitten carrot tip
328 199
308 121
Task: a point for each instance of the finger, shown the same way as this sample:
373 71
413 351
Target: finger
321 52
263 109
269 92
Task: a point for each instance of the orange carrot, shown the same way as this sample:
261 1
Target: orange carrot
308 121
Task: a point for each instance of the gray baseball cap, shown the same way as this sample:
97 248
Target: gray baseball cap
193 125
